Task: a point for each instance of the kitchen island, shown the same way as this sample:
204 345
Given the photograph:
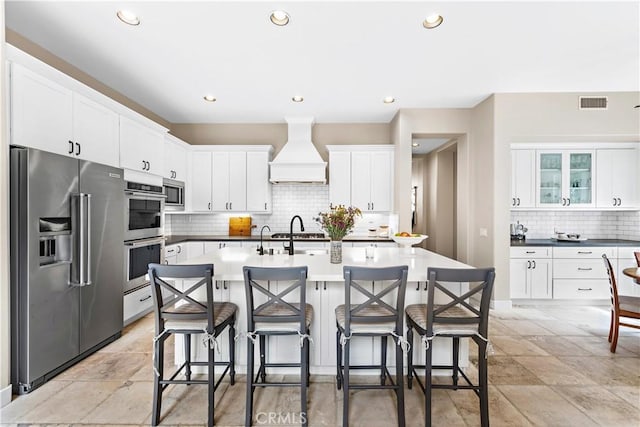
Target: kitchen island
325 291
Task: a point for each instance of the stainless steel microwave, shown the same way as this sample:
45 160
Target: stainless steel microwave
174 192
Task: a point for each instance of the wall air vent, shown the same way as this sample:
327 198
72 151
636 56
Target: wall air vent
593 102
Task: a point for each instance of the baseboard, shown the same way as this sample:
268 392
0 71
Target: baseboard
501 304
5 396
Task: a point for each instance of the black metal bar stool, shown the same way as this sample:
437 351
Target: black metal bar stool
186 315
456 318
372 318
283 313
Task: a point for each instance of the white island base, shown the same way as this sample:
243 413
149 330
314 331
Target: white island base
325 291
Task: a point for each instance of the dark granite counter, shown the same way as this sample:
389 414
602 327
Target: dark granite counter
590 242
174 239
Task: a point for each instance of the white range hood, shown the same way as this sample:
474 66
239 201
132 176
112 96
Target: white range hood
298 161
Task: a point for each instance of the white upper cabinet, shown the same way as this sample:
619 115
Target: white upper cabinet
175 158
523 179
200 182
141 147
367 174
258 185
565 178
50 117
339 177
617 178
230 181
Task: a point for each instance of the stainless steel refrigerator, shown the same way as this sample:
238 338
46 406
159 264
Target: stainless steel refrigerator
67 273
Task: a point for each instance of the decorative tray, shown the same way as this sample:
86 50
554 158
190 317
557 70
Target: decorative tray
569 239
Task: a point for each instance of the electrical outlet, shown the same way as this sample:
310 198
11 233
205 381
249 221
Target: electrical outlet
483 232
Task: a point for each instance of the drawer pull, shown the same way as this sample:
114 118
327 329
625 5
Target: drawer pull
584 269
145 298
585 289
585 252
530 252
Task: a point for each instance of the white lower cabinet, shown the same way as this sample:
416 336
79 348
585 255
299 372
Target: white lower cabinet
530 273
579 273
136 304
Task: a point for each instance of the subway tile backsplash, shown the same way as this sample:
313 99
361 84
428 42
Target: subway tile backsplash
591 224
306 200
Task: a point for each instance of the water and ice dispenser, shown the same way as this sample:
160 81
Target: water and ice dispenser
55 240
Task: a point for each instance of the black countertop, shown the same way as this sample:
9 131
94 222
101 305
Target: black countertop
174 239
590 242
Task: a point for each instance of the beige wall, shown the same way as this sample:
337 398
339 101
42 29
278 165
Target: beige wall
420 123
47 57
4 225
275 134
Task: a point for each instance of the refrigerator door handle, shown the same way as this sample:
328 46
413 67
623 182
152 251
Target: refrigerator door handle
87 240
80 267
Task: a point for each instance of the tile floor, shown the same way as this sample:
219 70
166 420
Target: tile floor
551 366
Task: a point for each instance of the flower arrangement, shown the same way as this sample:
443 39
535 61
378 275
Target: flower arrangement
339 221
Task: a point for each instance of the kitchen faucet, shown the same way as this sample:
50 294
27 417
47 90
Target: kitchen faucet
260 248
290 247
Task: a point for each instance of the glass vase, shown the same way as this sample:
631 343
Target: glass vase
335 251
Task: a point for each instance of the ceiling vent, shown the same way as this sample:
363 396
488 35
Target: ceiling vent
593 102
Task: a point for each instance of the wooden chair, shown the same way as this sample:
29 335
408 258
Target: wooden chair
187 315
637 254
621 306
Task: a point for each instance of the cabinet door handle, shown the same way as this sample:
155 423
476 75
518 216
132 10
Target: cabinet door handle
528 265
619 201
224 285
372 207
584 269
418 287
230 205
513 201
316 285
615 202
217 285
585 289
564 201
534 264
209 206
265 206
145 298
325 285
179 249
77 149
568 202
70 147
518 201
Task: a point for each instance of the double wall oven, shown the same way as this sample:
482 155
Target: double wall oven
144 240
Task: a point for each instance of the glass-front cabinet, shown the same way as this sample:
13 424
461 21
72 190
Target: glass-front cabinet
565 178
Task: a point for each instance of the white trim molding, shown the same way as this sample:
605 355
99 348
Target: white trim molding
501 304
5 396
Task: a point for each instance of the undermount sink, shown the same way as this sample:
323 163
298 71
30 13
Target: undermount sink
298 236
317 251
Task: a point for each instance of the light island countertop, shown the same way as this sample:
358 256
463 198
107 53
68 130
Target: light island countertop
228 262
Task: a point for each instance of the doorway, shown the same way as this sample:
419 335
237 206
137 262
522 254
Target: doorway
434 184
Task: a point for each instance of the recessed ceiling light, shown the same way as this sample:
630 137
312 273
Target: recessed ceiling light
415 144
279 18
297 98
128 17
432 21
209 98
388 100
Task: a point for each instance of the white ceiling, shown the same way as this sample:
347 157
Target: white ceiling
343 57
